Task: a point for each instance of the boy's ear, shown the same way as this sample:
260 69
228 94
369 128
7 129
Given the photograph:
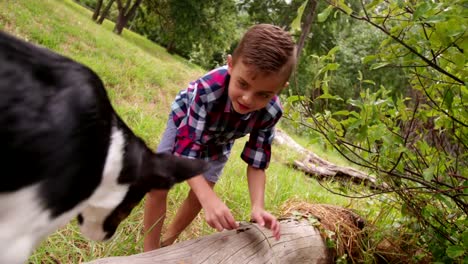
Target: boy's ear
229 63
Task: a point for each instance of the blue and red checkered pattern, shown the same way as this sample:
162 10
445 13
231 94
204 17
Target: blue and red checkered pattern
207 125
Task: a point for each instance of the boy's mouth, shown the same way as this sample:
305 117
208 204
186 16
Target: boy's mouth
243 108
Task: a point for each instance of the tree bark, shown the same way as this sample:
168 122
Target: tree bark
105 12
306 26
97 10
250 243
125 13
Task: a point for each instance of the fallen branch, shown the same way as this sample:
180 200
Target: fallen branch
312 164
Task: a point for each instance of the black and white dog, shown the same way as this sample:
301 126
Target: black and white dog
64 152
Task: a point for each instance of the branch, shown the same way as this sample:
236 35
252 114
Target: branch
434 56
435 104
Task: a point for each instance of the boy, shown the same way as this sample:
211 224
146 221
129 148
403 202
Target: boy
225 104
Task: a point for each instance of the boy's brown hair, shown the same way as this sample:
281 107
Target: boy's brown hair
268 48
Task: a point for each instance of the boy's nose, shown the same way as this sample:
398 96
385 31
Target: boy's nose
247 99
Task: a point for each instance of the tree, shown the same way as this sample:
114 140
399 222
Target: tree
416 142
97 10
105 12
125 13
310 7
197 30
276 12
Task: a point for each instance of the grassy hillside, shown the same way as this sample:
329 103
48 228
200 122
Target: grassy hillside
141 80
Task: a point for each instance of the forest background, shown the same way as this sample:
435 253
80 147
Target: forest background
380 83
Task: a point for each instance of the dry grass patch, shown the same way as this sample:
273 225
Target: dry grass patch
341 228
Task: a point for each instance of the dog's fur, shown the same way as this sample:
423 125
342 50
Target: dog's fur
64 152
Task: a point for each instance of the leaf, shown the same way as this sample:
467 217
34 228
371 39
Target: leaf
428 173
357 123
329 96
421 10
369 58
333 50
448 100
379 65
313 221
465 238
294 98
342 5
322 17
356 103
372 4
342 112
455 251
436 19
332 66
369 82
379 102
296 24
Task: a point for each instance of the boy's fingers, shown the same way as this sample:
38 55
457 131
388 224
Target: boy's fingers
276 230
231 222
258 219
214 223
272 224
228 221
218 226
224 223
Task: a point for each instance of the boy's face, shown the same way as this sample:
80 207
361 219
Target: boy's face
250 91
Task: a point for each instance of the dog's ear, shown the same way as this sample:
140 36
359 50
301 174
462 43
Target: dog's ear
163 170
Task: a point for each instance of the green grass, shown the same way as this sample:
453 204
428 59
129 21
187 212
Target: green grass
142 80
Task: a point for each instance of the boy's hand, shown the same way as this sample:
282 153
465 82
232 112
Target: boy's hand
218 215
264 218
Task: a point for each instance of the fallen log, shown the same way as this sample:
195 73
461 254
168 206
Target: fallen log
250 243
312 164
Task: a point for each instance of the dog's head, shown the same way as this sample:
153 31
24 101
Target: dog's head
115 199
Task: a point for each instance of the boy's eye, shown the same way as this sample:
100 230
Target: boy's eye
243 85
265 96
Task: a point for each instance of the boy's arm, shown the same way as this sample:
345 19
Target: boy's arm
217 214
192 110
257 178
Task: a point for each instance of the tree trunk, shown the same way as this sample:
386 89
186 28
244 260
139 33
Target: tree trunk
97 10
125 13
250 243
120 23
316 166
170 47
105 12
306 27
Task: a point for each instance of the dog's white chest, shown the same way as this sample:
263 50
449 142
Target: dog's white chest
24 222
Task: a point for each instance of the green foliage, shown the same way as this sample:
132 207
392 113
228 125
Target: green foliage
142 79
202 31
355 41
277 12
315 74
414 138
87 3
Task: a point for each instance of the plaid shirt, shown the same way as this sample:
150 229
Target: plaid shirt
207 125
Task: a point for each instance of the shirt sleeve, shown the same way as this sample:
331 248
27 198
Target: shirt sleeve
257 151
192 108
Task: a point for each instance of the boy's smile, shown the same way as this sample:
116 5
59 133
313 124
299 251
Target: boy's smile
250 90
